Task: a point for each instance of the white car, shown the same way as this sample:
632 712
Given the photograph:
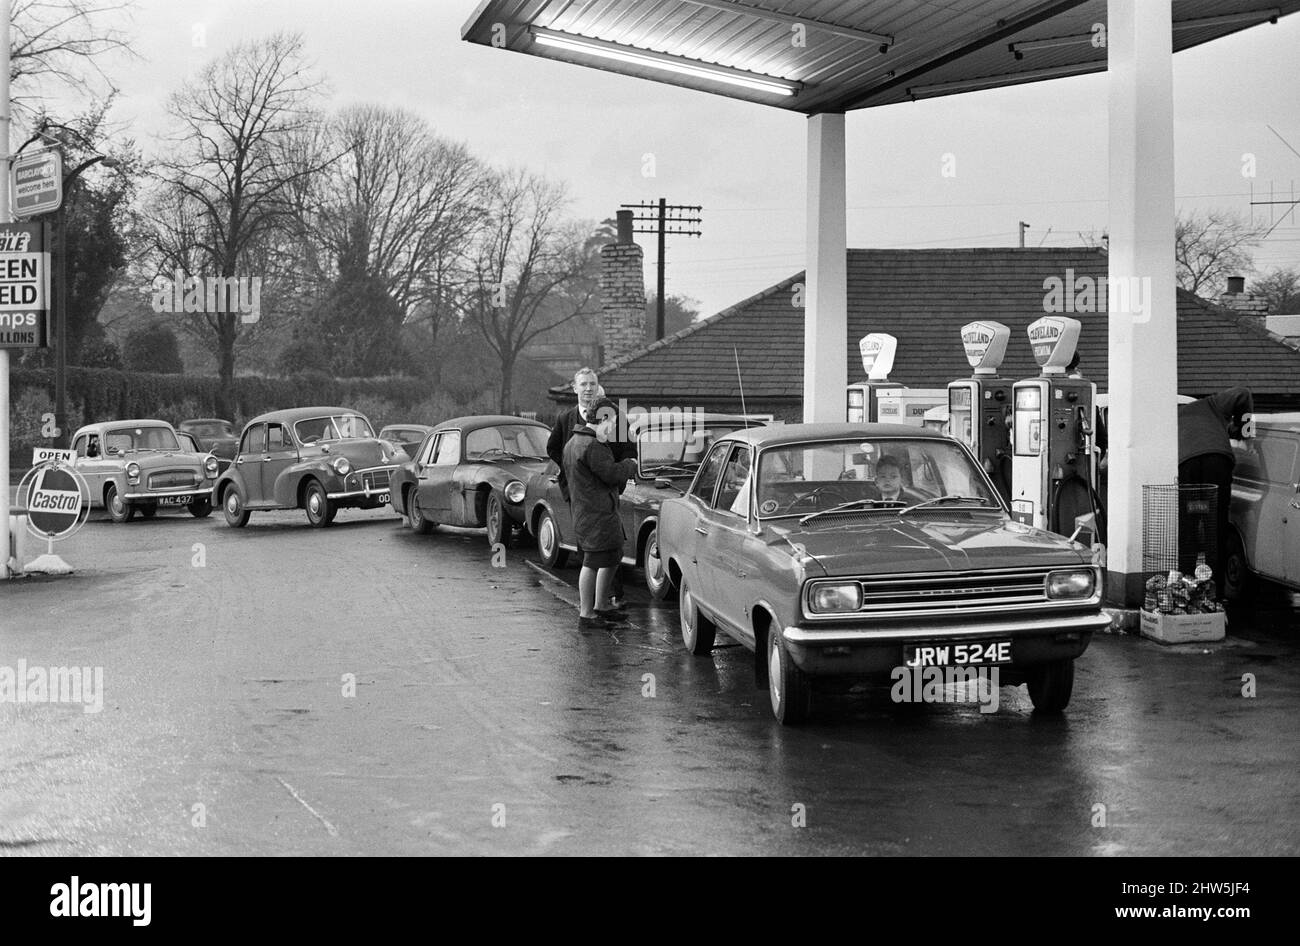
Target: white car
1265 513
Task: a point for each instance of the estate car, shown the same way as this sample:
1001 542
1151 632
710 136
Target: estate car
141 466
318 459
794 541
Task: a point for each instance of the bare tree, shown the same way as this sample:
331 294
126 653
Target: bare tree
532 270
396 212
1211 246
1281 289
63 41
227 187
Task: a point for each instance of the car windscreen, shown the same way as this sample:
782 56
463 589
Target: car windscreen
676 450
506 440
332 427
403 433
869 474
122 439
207 429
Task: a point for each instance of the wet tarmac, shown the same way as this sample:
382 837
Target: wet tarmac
364 690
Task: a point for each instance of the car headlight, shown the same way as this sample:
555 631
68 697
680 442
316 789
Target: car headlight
211 466
836 598
515 491
1075 583
133 470
341 466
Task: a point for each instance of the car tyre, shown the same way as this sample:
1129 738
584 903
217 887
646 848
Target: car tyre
788 688
698 632
200 508
232 505
420 523
1236 571
119 510
1050 685
499 527
548 542
656 571
316 503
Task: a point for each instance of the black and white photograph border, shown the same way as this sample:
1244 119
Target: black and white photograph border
412 413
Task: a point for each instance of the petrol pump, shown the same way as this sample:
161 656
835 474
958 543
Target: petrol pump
979 407
1053 469
879 400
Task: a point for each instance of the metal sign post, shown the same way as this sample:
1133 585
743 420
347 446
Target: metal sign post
5 14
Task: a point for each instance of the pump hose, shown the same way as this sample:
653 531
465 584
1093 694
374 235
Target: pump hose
1098 510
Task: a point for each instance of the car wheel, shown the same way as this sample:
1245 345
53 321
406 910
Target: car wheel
118 508
419 523
656 572
499 527
1236 571
320 511
149 510
698 632
1050 685
788 687
232 504
548 542
200 508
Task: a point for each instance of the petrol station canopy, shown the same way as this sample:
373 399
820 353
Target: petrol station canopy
820 56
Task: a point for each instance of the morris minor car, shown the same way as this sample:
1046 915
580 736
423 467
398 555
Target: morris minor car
141 466
1264 538
847 550
317 459
669 450
472 471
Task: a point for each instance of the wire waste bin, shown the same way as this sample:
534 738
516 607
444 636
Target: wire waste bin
1180 548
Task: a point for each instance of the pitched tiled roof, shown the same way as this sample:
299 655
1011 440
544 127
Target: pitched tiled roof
924 297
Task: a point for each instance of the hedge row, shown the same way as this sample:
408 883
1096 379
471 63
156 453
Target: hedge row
96 394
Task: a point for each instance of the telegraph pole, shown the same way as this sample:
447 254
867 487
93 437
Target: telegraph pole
666 218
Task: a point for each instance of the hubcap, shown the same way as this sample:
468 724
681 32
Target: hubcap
416 516
232 504
654 566
546 537
494 519
687 615
313 503
774 674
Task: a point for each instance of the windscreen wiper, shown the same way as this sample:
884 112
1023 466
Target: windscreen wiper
951 497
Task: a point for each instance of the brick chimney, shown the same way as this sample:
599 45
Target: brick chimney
622 291
1242 302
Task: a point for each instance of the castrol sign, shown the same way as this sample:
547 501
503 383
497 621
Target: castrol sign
985 344
56 506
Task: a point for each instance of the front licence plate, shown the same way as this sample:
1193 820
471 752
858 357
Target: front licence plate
175 500
966 654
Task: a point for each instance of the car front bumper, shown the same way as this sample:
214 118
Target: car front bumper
153 495
848 650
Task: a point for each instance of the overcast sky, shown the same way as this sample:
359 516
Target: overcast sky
1035 153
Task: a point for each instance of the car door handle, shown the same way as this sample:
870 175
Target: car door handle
239 462
701 531
1295 504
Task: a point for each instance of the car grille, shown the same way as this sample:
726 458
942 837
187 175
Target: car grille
376 478
171 479
952 592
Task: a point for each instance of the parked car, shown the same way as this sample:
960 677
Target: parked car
141 466
318 459
669 451
808 566
214 436
1265 512
472 471
406 436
